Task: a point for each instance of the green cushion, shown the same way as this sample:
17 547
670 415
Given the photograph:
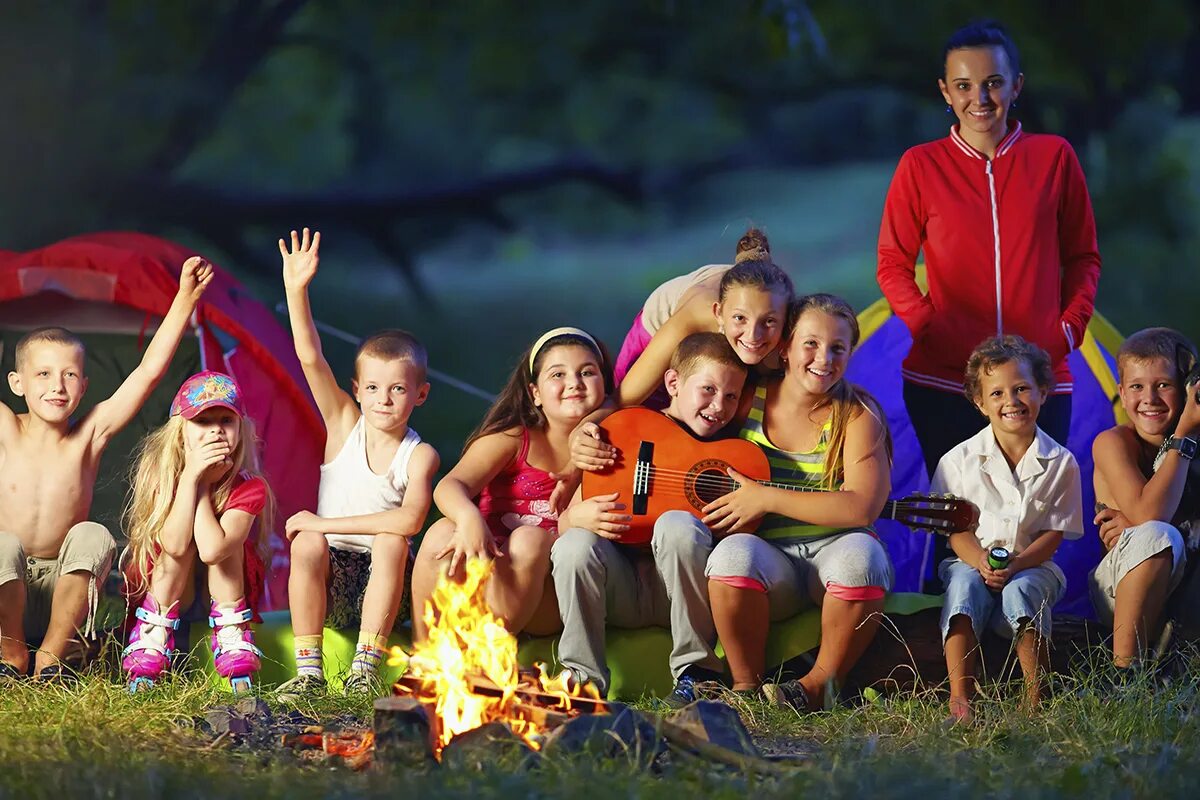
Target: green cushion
637 658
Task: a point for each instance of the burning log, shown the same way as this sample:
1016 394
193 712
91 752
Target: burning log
465 674
355 748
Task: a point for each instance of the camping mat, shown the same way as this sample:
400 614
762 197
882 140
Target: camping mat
637 658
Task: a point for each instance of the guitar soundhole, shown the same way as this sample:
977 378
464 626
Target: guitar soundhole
706 482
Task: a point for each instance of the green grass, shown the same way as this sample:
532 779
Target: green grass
96 740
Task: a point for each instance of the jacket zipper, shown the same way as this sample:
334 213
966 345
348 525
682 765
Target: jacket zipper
996 240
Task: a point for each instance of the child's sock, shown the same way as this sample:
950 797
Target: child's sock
308 655
368 653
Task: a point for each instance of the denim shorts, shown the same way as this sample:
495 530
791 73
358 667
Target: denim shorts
1027 597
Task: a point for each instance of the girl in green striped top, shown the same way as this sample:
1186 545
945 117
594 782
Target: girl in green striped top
812 547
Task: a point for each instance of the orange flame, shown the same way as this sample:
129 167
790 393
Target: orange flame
466 642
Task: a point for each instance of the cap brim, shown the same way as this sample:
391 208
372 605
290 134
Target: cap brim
189 413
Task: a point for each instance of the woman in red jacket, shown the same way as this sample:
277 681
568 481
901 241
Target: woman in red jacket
1005 223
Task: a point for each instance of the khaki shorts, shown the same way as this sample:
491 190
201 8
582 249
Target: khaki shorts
88 547
1135 546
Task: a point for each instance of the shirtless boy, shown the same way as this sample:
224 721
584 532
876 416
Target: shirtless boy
52 559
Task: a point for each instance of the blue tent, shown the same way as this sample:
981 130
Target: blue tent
1095 407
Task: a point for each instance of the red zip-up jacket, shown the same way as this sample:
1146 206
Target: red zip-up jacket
1009 244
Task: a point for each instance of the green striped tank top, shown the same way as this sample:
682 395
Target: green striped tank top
796 469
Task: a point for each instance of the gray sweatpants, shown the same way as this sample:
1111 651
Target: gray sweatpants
600 582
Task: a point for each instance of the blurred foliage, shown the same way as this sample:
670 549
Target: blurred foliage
408 125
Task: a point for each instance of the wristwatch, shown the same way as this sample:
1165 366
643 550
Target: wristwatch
1184 444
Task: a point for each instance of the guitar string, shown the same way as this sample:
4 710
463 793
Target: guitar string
669 479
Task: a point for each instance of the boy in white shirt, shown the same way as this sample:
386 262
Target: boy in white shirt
1028 491
349 560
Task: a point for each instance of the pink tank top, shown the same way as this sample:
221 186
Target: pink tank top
519 495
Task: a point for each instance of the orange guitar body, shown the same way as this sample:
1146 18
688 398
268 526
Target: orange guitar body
661 466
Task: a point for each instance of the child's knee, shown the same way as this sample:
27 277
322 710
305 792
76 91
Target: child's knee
436 538
88 547
577 550
734 556
309 548
678 535
529 544
389 549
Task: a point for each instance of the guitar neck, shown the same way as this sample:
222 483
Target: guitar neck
889 508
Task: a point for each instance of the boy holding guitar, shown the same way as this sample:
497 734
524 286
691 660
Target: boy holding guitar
1027 488
600 581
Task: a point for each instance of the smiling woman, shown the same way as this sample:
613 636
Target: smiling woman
1005 223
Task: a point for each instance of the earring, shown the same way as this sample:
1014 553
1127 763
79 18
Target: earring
1012 105
949 110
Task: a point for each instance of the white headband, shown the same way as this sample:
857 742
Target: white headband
548 335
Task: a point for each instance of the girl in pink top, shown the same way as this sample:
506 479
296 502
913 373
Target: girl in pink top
496 500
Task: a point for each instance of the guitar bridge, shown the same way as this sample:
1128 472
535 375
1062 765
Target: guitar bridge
641 477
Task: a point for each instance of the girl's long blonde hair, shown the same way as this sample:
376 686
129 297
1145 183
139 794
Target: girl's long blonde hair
152 488
845 400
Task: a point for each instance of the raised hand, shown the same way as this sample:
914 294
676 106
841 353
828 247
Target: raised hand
194 277
300 260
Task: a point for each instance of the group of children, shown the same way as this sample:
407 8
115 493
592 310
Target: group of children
772 372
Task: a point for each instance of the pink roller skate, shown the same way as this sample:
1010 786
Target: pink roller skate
151 643
232 642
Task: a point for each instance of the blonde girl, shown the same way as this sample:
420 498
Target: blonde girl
197 493
819 432
496 500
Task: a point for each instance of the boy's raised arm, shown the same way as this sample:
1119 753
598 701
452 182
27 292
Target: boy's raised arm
113 414
299 267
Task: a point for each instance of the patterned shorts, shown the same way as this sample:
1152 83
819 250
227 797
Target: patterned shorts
349 571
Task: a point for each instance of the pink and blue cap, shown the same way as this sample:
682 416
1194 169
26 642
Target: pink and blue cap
207 390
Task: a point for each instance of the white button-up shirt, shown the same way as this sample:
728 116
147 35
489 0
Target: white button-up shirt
1015 506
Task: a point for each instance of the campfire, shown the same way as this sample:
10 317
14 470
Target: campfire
466 675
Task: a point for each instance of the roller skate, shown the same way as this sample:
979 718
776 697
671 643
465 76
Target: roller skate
234 653
151 644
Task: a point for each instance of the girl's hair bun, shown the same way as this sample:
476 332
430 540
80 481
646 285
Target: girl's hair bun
753 246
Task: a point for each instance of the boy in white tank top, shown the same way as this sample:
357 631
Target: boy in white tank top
349 559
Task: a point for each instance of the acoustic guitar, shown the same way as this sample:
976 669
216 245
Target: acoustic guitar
662 467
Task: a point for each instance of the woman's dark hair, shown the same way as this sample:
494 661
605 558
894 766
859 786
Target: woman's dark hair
983 33
514 406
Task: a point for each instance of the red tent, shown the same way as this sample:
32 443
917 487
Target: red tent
110 288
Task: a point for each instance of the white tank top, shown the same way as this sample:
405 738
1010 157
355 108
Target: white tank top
349 487
664 301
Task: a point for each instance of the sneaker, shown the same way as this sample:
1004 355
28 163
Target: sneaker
363 683
688 690
301 687
789 694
